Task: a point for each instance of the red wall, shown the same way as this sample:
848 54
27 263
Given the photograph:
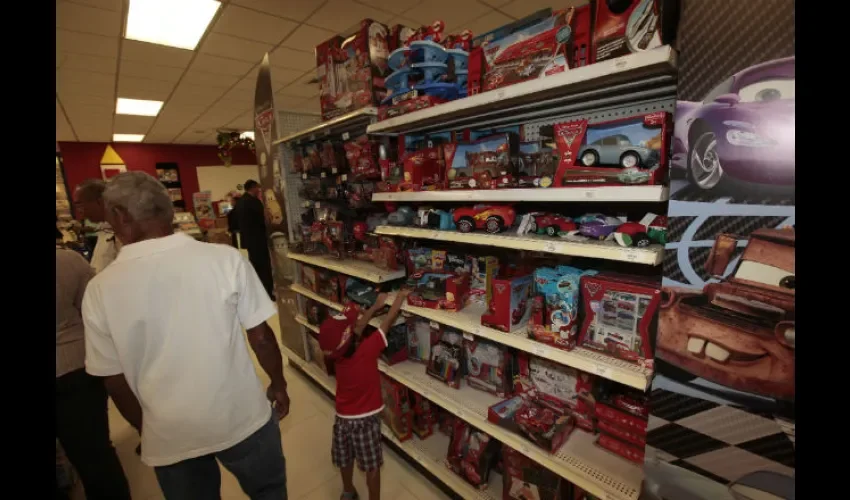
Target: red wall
82 161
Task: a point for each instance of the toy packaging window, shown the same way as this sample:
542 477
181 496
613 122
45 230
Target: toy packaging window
397 413
421 335
446 359
488 163
555 305
488 366
472 454
508 307
315 312
396 350
626 27
525 479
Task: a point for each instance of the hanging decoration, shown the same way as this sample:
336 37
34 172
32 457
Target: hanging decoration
226 142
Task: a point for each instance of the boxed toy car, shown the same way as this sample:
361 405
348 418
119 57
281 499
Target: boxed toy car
351 71
423 170
396 350
482 271
620 316
421 335
555 306
622 448
446 358
627 151
392 171
424 416
327 284
439 279
489 366
536 165
542 425
630 26
397 413
472 454
525 479
315 312
483 164
332 156
508 308
362 157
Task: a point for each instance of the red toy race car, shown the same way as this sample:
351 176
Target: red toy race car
492 218
552 224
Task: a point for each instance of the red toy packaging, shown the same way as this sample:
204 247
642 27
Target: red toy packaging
472 454
619 316
423 170
621 152
489 367
315 312
331 156
622 418
421 335
525 479
621 448
508 307
424 416
399 36
487 163
445 422
396 350
397 413
439 279
630 26
446 360
392 172
362 157
351 72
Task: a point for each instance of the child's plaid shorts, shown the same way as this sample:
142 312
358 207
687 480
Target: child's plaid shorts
358 438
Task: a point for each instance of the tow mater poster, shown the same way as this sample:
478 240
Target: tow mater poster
722 421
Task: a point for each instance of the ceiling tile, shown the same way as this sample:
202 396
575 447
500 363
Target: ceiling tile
394 6
144 88
239 105
158 138
522 8
91 135
102 101
240 94
410 23
83 19
244 121
188 137
94 64
499 3
234 48
196 77
60 57
248 82
283 57
338 15
127 124
292 9
192 95
221 65
307 37
488 22
151 71
114 5
84 82
456 13
64 132
84 43
282 77
250 24
133 50
308 106
283 102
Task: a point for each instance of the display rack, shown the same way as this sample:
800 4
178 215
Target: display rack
349 123
573 194
608 250
355 268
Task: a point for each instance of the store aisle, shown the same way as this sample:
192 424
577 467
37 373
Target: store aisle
306 434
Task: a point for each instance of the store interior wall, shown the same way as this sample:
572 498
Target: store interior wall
220 180
82 160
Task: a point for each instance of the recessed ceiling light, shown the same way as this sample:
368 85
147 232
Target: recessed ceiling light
127 137
174 23
139 107
249 134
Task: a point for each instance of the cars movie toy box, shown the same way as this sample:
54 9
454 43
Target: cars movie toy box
508 306
525 479
351 71
619 316
483 164
621 152
553 45
423 170
624 27
439 279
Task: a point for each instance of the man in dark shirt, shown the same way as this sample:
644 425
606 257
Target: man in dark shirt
251 217
233 221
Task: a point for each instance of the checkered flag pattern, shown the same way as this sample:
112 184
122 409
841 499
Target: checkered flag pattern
720 442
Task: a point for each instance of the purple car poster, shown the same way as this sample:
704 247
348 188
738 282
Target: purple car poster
722 418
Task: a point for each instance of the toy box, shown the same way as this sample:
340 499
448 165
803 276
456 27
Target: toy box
482 272
555 306
439 279
361 292
396 350
317 356
351 71
625 450
542 425
482 164
508 308
433 218
619 316
423 170
421 335
489 366
424 416
332 157
525 479
392 171
445 421
315 312
362 157
536 165
630 26
446 359
472 454
627 151
327 284
397 413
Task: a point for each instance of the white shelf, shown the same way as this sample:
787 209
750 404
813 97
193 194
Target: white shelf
295 287
566 194
623 76
303 322
608 250
350 267
580 461
429 453
358 118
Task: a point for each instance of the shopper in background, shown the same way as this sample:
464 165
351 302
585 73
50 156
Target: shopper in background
82 421
90 199
164 327
252 231
233 219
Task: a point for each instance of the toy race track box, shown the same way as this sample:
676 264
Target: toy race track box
439 279
489 366
508 308
396 350
351 71
424 416
362 157
487 163
551 46
397 413
620 316
423 169
624 27
628 151
472 454
446 358
555 306
525 479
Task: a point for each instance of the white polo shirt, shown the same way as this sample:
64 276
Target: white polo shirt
168 313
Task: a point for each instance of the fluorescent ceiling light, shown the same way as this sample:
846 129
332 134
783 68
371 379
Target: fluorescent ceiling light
249 134
138 107
176 23
127 137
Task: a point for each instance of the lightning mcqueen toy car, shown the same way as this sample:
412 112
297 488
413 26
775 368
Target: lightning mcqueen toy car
492 218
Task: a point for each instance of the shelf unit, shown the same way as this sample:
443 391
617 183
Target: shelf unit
355 268
429 453
608 250
568 194
349 123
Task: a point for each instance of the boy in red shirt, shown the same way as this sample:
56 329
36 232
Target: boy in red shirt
357 429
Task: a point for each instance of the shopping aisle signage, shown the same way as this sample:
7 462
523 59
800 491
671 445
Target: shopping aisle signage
268 157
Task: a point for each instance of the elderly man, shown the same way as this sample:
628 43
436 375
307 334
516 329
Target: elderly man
164 327
251 220
90 200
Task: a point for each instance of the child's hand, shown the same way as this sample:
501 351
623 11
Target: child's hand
382 299
402 294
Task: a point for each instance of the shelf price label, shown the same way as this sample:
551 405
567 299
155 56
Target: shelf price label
468 336
345 136
539 350
602 371
322 175
333 170
549 247
304 177
459 413
312 137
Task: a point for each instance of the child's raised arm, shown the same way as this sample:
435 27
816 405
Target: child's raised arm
389 319
366 317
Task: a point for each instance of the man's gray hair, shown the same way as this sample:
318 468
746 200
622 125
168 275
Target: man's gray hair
91 190
142 196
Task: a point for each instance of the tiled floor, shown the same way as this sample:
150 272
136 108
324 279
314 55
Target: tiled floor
306 436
